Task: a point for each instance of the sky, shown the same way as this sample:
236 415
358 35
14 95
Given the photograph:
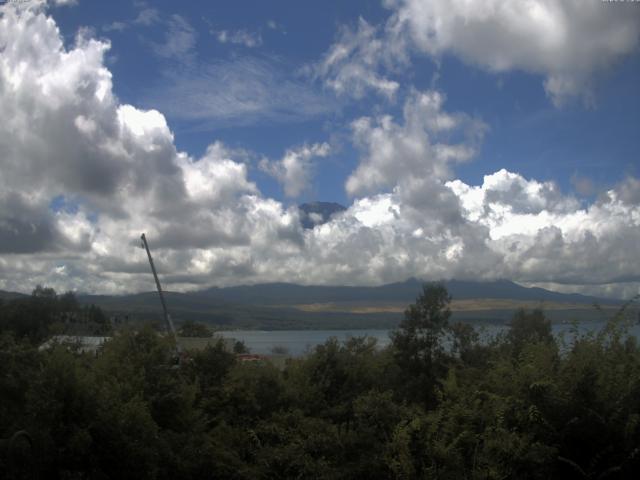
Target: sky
474 140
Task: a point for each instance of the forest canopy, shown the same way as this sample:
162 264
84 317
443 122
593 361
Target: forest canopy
436 403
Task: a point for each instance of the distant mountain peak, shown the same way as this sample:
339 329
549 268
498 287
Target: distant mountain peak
317 213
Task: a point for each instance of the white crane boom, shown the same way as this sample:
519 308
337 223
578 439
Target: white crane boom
167 317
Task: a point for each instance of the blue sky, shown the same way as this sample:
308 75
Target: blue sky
596 142
466 139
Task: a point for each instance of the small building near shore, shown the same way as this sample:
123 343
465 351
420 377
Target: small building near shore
81 343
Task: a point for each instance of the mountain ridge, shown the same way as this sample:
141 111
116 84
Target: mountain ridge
277 306
7 295
407 291
279 293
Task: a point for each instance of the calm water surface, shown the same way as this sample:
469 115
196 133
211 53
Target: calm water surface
299 342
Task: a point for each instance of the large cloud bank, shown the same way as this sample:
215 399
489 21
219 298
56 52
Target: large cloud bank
82 175
568 43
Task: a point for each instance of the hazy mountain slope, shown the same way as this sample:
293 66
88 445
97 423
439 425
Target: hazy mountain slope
406 292
4 295
277 305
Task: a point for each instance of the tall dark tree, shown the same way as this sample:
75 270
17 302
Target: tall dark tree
68 302
529 327
418 343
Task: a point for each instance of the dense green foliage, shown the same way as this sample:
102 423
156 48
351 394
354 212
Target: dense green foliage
46 313
436 404
189 328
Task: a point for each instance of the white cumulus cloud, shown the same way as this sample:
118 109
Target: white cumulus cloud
567 42
418 149
543 235
295 169
83 175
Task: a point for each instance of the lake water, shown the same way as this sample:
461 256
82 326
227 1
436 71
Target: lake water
299 342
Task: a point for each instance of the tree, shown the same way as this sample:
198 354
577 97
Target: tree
189 328
68 302
31 317
239 347
417 342
465 343
46 293
529 327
